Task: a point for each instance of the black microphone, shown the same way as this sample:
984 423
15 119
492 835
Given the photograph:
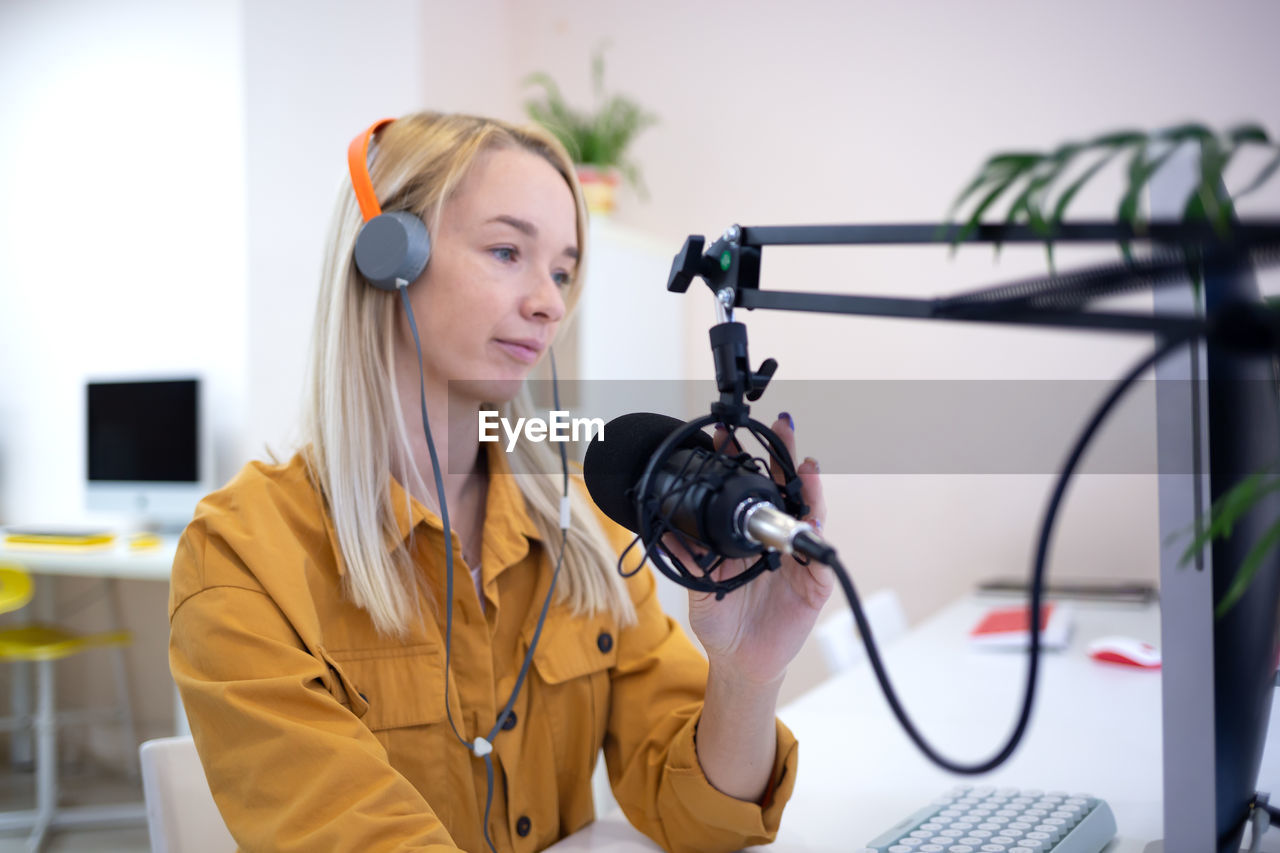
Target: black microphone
723 502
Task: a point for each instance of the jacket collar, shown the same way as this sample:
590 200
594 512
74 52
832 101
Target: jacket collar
508 526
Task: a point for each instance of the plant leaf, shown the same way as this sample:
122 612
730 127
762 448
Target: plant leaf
1242 133
992 170
1004 180
1117 139
1248 568
1184 132
1212 162
1141 171
1263 175
1230 507
1069 193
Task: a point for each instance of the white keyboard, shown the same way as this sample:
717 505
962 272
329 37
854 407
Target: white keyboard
1004 820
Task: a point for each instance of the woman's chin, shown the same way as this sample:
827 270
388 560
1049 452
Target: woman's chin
497 391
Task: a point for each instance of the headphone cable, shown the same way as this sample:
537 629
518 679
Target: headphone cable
482 747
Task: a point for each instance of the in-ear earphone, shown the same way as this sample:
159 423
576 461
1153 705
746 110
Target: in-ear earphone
392 248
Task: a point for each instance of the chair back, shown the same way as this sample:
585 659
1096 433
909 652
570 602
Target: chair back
15 588
181 815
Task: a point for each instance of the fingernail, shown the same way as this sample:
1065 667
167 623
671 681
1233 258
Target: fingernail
786 416
817 525
814 463
721 428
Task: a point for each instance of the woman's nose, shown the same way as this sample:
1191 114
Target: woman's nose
546 300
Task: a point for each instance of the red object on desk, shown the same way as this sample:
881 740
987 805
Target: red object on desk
1010 627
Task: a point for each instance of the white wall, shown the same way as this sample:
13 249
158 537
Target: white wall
121 223
315 75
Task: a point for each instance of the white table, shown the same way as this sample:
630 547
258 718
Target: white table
118 561
1096 728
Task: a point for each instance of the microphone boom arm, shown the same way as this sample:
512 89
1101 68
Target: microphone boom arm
730 266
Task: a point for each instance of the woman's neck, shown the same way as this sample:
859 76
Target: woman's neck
453 431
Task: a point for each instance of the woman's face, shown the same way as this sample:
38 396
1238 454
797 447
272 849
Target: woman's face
492 296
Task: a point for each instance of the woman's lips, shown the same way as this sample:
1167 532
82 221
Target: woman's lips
525 352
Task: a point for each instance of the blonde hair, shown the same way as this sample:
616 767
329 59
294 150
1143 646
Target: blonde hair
353 430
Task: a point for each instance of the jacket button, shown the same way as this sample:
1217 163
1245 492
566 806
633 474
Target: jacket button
523 825
604 642
510 722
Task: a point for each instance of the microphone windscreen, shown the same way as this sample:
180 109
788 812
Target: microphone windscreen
616 459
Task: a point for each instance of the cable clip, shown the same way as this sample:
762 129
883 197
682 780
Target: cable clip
481 747
564 512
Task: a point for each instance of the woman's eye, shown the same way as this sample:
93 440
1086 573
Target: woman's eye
562 279
504 253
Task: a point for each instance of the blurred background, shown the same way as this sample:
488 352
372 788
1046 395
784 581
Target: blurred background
167 172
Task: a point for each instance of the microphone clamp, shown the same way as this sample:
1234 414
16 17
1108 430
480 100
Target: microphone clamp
653 507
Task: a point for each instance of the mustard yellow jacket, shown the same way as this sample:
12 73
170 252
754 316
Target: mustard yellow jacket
318 734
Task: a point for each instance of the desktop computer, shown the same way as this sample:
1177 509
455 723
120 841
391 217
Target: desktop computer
148 449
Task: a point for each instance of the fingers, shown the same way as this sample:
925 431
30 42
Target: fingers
785 427
721 438
809 477
808 471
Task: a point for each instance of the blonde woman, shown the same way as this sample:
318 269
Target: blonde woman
310 617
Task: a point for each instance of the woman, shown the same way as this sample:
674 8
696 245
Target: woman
310 616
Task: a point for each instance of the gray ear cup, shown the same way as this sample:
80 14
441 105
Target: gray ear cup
392 247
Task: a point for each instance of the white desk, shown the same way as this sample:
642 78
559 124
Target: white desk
1095 728
118 561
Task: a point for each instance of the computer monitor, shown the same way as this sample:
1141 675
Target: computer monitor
148 449
1218 420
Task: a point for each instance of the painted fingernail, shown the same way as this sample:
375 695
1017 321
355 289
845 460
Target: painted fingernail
814 463
721 428
817 524
786 416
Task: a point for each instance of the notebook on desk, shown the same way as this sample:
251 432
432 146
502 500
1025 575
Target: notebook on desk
1010 627
58 538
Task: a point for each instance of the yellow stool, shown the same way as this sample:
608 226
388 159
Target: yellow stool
43 645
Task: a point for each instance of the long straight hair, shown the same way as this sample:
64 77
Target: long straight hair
354 433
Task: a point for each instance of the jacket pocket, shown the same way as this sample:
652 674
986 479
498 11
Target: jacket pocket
573 660
571 648
398 686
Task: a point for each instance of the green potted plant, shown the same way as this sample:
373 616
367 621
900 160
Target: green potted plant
597 139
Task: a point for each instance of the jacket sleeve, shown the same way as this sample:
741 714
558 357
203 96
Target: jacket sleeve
290 766
650 746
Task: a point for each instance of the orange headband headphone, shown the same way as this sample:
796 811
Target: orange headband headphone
392 248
